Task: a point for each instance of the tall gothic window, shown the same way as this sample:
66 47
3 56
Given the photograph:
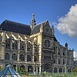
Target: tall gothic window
58 52
22 45
59 61
60 69
14 44
22 57
8 44
63 61
55 70
7 56
29 47
35 58
63 53
22 67
54 60
46 66
14 56
28 58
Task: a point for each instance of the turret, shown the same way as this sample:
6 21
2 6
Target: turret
33 22
66 45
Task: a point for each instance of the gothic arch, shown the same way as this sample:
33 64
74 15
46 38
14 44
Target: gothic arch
35 58
22 67
59 61
55 69
22 57
63 61
7 56
14 56
28 58
46 66
60 70
30 69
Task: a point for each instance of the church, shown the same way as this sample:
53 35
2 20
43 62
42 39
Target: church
33 47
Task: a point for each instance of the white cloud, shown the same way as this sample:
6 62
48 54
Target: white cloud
75 55
68 23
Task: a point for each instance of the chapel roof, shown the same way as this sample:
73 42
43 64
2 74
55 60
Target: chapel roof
15 27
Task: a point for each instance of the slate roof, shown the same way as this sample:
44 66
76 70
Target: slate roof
36 29
15 27
55 39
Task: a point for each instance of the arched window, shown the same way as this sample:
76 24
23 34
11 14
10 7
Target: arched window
22 57
22 67
63 53
30 69
7 56
59 61
69 70
67 62
54 60
28 58
46 66
14 56
8 44
29 46
60 70
63 61
22 44
14 44
14 67
58 52
35 58
55 70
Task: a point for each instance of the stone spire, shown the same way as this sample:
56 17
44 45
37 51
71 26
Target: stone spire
52 30
33 21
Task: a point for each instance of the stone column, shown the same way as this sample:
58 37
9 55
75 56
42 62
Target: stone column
57 69
33 68
33 53
16 68
3 45
57 54
39 69
10 44
18 56
40 59
26 66
18 50
25 50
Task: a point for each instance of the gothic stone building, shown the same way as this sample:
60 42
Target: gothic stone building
33 47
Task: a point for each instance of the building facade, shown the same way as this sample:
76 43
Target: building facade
33 47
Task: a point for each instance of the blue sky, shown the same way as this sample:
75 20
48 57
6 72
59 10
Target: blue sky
55 11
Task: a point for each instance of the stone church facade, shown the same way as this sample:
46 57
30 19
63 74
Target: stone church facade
33 47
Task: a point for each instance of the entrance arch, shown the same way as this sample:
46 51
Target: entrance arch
30 69
47 67
60 70
55 70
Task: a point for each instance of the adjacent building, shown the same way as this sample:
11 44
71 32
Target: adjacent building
33 47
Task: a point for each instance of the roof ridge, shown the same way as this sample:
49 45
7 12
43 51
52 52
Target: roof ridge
15 22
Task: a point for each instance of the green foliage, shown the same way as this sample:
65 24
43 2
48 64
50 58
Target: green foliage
23 71
74 69
0 68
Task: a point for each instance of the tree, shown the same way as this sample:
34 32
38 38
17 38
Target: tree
74 69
